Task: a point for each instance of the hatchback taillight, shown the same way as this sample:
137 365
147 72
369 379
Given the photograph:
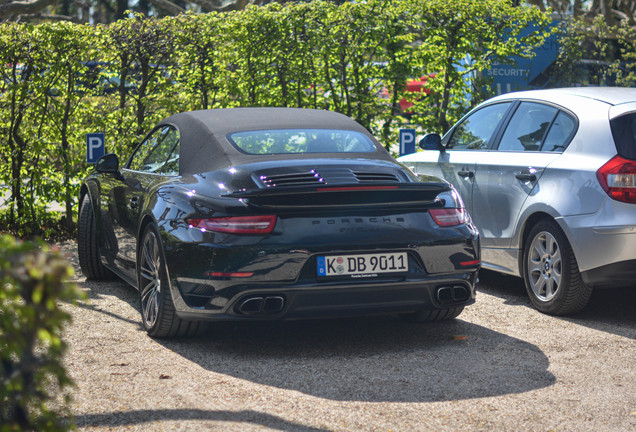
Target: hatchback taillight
448 217
618 179
247 225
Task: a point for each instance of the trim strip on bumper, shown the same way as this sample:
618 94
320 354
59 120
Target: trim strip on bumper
618 229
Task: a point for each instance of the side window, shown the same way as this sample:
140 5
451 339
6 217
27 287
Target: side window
143 151
171 167
153 152
476 131
527 127
559 133
624 133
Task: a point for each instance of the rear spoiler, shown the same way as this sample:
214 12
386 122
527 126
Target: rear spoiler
380 194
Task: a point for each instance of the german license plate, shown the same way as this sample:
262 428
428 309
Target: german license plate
363 265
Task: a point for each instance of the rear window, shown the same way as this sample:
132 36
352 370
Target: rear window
267 142
624 132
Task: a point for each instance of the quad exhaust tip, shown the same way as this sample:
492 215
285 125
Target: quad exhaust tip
452 294
259 305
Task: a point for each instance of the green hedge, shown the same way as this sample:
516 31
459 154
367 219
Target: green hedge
355 58
32 377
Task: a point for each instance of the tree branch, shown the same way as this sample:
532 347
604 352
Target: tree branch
169 6
24 7
41 17
207 4
237 5
537 3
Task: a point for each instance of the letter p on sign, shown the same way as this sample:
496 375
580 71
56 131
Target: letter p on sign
407 141
95 147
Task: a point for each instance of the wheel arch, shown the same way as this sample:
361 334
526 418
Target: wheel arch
530 222
82 193
91 189
89 236
146 220
571 294
85 189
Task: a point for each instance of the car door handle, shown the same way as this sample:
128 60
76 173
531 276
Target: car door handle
526 177
134 203
465 174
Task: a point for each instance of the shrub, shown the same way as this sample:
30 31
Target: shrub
33 281
355 58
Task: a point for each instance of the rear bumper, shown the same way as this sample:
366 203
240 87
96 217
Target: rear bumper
598 244
335 300
616 275
212 275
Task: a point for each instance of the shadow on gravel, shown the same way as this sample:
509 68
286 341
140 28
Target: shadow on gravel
113 287
609 310
371 359
110 314
509 288
128 418
116 287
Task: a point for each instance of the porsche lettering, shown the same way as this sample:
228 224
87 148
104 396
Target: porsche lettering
358 221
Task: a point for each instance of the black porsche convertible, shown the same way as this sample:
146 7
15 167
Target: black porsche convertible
274 213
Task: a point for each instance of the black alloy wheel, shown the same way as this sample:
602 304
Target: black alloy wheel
87 247
157 308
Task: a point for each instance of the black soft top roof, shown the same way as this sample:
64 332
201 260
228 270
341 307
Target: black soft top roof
204 146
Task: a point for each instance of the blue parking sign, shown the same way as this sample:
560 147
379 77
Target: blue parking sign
95 146
407 141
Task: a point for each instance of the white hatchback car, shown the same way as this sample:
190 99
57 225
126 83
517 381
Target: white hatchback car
549 178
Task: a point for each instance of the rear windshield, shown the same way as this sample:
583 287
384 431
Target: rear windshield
624 132
268 142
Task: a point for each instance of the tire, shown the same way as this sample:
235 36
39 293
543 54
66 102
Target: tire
157 308
87 248
551 273
432 315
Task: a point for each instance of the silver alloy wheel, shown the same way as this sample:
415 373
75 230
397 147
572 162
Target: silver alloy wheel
150 285
545 267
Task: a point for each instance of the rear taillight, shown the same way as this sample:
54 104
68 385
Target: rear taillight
618 179
247 225
448 217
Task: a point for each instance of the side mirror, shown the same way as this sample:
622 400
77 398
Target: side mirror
109 163
432 141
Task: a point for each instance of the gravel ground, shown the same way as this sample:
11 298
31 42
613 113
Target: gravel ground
500 366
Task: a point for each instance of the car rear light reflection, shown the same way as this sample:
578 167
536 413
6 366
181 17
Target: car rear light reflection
357 188
448 217
618 179
229 274
248 225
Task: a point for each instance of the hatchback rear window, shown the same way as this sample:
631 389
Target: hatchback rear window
624 132
267 142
